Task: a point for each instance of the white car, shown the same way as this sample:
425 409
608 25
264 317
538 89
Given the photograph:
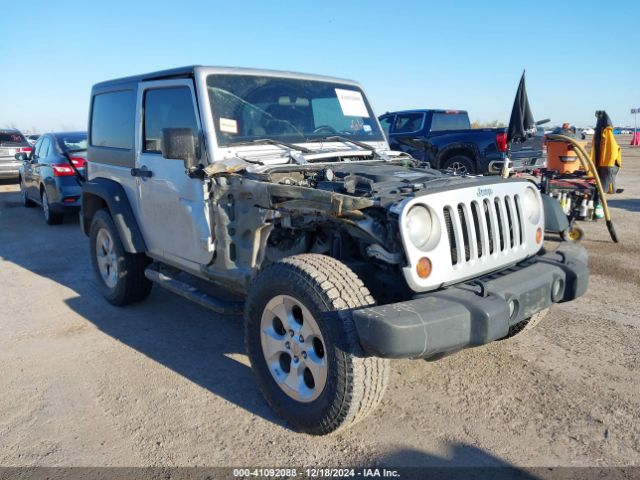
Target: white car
588 131
32 138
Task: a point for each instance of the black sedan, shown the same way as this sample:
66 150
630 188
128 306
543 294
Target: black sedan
48 179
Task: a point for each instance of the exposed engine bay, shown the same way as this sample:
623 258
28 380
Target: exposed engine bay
343 209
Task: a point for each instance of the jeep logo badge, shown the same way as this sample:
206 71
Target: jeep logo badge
484 192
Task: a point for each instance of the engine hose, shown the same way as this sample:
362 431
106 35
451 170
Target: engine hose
588 165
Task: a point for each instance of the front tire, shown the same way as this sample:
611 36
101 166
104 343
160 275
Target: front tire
120 275
303 345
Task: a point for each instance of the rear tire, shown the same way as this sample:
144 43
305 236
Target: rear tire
50 217
120 275
460 165
349 384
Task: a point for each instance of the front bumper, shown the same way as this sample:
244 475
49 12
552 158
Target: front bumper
473 313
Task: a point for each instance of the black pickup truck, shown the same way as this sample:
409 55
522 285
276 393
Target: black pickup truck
445 139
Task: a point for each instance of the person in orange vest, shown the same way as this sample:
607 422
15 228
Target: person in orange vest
605 152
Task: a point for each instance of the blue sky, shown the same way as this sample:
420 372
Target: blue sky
579 56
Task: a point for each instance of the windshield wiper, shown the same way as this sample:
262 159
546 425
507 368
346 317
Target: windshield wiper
73 150
268 141
338 138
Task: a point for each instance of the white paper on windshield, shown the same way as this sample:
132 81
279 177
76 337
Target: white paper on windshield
228 125
352 103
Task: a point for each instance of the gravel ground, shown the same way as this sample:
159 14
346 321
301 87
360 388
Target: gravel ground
166 383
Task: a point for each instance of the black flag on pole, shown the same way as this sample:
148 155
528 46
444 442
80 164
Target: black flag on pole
521 116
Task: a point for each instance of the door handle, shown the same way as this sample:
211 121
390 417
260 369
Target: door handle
141 172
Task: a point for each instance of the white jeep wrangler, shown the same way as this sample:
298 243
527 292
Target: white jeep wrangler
280 189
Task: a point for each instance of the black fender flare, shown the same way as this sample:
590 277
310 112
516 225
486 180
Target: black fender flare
471 148
100 192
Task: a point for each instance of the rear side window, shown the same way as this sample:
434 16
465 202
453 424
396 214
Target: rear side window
42 150
408 122
166 108
12 138
112 119
449 121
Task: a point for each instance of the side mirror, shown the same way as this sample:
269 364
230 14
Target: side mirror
180 144
21 156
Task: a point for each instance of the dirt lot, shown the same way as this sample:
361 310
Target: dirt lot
165 382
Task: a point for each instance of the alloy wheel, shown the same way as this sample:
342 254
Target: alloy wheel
107 258
457 167
293 348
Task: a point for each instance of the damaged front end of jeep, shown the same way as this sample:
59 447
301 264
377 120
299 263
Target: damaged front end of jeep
262 217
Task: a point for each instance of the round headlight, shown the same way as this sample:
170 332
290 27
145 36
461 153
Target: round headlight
531 205
419 225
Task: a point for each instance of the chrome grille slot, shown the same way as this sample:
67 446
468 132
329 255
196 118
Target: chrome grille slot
516 201
451 235
499 222
479 227
465 231
489 215
511 225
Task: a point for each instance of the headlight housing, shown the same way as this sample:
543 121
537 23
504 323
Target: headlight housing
419 226
531 205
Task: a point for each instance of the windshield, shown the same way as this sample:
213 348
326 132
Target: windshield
72 141
248 107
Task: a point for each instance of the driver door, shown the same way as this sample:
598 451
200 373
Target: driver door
172 206
27 167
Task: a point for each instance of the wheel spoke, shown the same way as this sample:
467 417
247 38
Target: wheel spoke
317 366
102 261
307 331
293 378
113 275
272 343
289 322
279 310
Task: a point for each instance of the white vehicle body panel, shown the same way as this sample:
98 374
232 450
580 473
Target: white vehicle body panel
173 205
481 258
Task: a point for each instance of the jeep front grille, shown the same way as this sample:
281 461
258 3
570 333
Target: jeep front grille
485 227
